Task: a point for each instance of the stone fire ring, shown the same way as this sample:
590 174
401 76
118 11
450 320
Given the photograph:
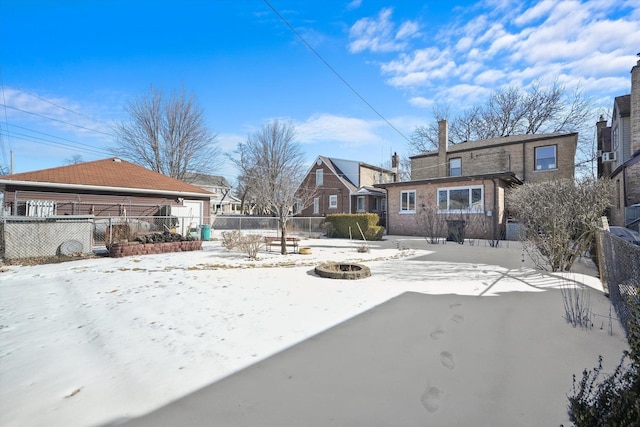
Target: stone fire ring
337 270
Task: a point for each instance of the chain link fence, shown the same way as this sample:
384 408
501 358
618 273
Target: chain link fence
301 226
27 237
23 237
619 264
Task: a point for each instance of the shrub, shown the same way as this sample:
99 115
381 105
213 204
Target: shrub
614 400
250 244
230 239
340 224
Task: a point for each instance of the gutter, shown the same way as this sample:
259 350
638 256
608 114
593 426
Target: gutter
4 182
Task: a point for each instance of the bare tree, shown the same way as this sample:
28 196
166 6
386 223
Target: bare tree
560 217
511 111
167 134
73 160
272 164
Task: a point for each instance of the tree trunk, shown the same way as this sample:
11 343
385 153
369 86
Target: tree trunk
283 236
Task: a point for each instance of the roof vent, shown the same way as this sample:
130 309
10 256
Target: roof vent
117 160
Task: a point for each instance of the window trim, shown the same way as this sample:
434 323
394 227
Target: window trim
319 177
459 168
407 210
470 189
555 158
333 201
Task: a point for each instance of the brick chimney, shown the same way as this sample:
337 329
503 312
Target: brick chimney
635 108
443 138
395 165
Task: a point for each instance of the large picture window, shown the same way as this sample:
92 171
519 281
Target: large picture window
461 199
546 158
408 201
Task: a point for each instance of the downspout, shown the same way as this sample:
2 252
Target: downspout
495 209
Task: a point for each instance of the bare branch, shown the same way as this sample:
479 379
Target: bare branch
167 135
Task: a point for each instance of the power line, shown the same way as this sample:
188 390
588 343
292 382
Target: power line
43 141
57 120
334 70
79 145
58 105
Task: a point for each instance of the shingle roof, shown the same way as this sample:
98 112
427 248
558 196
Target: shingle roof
111 172
624 105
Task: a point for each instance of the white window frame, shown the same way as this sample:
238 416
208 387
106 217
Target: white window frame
479 205
406 207
316 205
459 168
360 204
552 166
333 201
319 177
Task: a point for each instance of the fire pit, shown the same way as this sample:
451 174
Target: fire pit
337 270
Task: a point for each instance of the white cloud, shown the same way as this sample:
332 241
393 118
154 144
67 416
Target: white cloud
420 68
536 12
354 4
489 77
379 34
323 128
421 102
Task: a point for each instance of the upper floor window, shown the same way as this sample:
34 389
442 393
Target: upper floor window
546 158
360 204
333 201
455 167
408 201
319 177
458 199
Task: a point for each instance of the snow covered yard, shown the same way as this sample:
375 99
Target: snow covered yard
91 341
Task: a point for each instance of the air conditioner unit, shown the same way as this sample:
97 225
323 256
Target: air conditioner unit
609 156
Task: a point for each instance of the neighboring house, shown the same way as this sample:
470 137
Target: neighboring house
345 186
470 179
103 188
222 201
619 155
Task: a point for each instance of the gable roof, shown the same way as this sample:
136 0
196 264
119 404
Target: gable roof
112 174
347 171
503 140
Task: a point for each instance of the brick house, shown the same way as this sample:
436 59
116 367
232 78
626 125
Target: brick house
470 179
619 155
345 186
103 188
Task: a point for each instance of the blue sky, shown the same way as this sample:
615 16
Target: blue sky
68 68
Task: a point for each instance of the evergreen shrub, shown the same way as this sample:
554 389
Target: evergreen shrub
339 224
